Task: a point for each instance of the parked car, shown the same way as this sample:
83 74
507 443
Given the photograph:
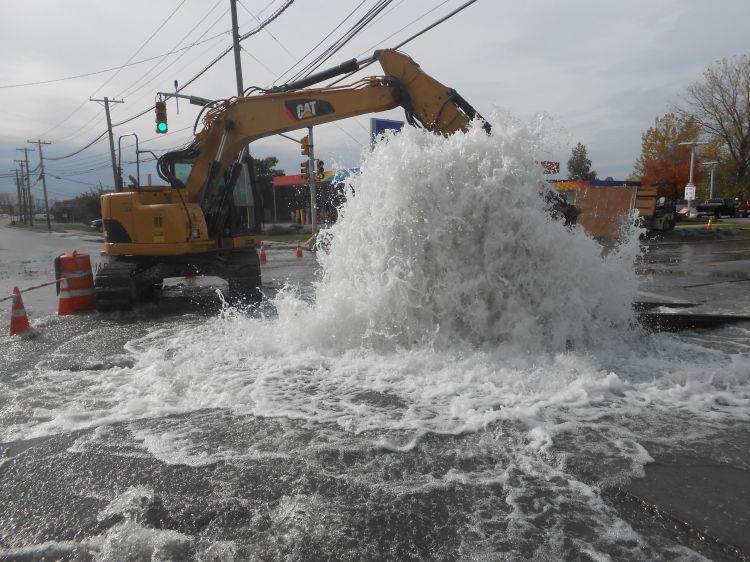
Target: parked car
97 224
743 209
717 208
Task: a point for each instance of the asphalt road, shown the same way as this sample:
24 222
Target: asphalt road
700 498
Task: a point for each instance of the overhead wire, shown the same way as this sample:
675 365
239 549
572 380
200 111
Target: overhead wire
268 20
118 70
360 25
410 39
338 25
129 89
265 29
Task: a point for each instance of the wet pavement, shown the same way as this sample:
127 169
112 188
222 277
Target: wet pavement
287 489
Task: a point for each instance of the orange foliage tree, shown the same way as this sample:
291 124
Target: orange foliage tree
663 159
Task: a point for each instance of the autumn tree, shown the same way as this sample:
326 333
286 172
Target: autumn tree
265 171
720 105
579 165
663 159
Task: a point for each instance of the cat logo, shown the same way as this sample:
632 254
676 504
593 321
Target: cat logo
300 109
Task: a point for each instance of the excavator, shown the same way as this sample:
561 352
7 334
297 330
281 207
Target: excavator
192 226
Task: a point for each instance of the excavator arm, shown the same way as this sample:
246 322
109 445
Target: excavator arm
229 127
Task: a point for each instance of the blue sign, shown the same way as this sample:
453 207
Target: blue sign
380 126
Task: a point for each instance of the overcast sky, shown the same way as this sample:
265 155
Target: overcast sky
601 70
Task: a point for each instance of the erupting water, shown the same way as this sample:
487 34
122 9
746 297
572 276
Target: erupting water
448 242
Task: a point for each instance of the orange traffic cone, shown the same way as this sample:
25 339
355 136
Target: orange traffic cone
262 253
710 225
299 249
19 322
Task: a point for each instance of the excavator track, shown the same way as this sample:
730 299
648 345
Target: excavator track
115 286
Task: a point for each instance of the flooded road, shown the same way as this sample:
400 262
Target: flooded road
465 403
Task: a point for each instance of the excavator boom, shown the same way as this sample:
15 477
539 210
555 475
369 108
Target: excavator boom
237 122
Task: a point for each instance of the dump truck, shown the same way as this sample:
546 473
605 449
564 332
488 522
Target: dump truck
657 206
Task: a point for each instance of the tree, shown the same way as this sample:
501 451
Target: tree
87 206
265 171
720 105
579 165
663 159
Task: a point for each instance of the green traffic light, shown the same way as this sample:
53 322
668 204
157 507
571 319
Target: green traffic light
161 127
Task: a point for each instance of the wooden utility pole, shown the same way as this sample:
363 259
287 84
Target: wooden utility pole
29 199
236 42
23 191
21 210
39 143
115 173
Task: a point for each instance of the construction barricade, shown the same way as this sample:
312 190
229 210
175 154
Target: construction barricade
76 283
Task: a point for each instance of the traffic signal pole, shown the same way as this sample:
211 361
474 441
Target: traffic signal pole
115 174
313 205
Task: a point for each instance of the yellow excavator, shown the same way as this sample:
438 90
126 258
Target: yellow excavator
192 226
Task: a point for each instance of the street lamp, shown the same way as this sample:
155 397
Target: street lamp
690 187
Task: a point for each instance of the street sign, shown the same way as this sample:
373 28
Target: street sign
690 192
380 126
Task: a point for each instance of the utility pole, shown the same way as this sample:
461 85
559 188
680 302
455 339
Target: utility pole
115 173
29 199
44 180
24 207
20 200
238 74
236 41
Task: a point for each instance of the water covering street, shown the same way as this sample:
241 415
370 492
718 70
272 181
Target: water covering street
459 376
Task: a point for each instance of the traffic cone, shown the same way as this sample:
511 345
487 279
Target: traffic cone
710 225
262 253
299 249
19 322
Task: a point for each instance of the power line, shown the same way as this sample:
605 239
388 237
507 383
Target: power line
265 29
267 21
108 80
353 31
357 7
126 91
410 39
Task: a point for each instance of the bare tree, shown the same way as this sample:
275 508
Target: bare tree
720 105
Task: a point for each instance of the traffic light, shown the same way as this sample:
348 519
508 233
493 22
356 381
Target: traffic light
304 170
320 170
305 144
161 117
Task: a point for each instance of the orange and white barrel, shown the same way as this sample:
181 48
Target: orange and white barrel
76 287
